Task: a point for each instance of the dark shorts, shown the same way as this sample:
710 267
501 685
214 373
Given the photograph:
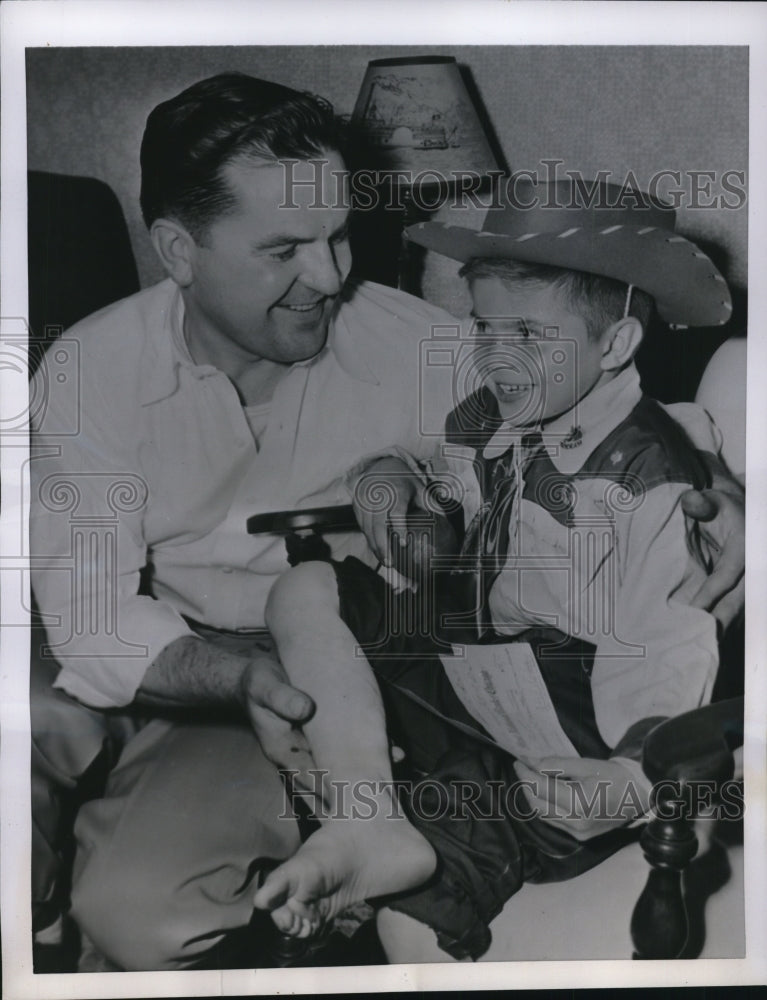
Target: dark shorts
458 786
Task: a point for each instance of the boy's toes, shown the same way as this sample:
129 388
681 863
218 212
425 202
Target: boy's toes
286 921
308 928
297 919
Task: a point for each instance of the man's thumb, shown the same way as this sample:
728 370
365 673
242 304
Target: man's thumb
698 505
288 702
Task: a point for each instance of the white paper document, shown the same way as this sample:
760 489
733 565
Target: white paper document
502 687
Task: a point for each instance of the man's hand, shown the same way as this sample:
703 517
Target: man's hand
721 520
396 480
276 710
192 673
583 796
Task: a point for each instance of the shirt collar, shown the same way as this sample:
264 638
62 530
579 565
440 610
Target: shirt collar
343 338
160 360
572 436
168 352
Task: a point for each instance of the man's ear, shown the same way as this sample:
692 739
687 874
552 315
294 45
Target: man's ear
621 342
175 248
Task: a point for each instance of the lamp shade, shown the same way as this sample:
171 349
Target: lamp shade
417 116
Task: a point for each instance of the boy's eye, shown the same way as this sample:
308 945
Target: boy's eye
514 331
520 330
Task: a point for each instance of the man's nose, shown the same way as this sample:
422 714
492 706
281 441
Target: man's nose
326 268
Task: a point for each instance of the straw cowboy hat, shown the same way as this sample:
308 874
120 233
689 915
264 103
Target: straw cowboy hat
618 234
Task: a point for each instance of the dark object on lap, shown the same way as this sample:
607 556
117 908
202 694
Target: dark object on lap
303 530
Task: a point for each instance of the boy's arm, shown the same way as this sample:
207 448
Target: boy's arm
656 657
403 485
383 488
659 655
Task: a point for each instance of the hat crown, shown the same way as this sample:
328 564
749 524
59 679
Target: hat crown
526 207
598 228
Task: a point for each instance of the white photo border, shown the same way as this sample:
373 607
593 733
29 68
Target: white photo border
169 23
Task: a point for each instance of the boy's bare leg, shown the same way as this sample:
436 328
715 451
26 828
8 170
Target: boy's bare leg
365 846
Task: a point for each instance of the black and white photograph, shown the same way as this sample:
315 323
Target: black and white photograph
380 601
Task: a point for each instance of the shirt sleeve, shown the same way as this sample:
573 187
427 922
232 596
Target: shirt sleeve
414 348
657 656
87 548
697 425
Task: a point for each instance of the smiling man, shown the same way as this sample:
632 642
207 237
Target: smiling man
250 380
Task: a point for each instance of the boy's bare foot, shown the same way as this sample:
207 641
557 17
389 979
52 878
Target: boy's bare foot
342 863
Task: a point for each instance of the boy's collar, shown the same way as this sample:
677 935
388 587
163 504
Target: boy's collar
572 436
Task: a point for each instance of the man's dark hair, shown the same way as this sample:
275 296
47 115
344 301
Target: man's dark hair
189 139
599 301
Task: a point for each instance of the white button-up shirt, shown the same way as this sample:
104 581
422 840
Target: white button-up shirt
145 463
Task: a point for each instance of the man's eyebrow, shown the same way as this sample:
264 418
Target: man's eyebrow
278 240
287 239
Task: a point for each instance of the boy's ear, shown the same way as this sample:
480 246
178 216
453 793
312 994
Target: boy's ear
175 248
621 342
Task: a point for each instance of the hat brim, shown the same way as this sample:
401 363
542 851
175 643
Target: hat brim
687 287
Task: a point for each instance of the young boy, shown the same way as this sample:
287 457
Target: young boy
568 606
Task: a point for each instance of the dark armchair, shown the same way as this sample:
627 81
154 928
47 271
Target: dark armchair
80 255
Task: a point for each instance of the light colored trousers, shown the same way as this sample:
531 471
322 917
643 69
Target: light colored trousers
167 859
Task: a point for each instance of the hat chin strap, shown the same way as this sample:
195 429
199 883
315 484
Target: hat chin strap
627 306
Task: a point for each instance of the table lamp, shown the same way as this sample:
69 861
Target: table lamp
416 120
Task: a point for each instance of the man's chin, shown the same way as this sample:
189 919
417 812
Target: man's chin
304 347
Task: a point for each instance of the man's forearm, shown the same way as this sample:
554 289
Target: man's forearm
191 672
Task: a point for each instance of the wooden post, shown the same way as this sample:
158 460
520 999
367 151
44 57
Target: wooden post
659 923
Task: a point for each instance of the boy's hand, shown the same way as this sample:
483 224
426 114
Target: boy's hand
583 796
721 520
375 521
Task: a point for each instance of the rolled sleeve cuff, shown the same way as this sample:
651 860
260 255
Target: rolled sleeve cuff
102 680
362 468
697 425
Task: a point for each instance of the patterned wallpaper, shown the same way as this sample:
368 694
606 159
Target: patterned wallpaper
595 108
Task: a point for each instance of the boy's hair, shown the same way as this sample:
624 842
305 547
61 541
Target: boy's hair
599 301
190 138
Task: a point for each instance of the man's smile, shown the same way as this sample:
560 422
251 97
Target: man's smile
303 306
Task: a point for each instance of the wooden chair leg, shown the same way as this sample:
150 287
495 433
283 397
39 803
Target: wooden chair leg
659 925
